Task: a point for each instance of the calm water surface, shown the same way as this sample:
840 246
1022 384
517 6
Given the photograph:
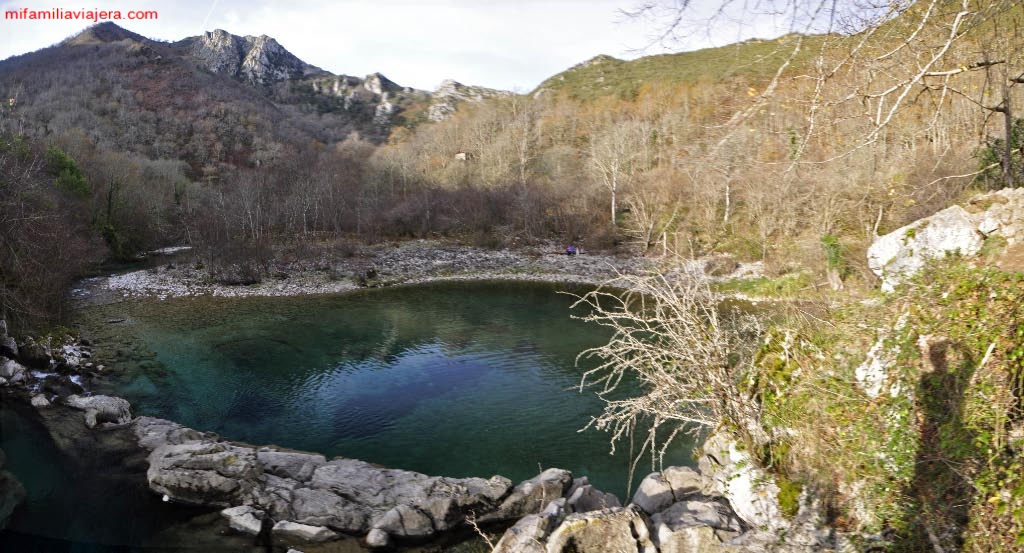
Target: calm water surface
455 379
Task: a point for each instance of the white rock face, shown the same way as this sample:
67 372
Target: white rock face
752 492
100 409
446 98
903 252
244 519
304 532
258 60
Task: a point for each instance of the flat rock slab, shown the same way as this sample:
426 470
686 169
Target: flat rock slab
338 496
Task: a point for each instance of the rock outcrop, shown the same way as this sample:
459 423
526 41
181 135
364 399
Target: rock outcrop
257 60
307 496
446 99
8 346
957 229
101 409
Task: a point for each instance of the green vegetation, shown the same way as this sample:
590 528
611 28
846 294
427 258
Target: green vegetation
69 177
784 286
931 451
990 158
750 61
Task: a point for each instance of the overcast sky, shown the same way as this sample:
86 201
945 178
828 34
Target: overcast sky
506 44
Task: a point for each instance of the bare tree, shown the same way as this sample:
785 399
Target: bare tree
693 360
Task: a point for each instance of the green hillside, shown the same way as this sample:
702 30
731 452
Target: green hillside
752 60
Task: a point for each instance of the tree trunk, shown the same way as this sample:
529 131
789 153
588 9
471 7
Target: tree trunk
1008 151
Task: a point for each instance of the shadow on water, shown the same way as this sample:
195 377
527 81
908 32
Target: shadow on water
89 495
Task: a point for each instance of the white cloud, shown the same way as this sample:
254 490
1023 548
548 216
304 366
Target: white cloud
508 44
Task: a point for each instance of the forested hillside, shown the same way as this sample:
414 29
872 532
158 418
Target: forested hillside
766 149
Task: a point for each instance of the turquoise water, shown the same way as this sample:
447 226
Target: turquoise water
455 379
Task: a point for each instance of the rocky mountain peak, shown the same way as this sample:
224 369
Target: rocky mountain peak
379 84
450 93
258 60
101 33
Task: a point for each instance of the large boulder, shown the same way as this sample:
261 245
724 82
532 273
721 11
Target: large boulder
8 346
204 473
711 513
34 354
153 433
306 490
12 372
607 531
531 496
587 498
694 539
244 519
658 490
326 508
296 466
751 491
101 409
526 536
903 252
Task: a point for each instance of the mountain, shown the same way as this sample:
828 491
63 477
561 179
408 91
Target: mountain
605 75
210 100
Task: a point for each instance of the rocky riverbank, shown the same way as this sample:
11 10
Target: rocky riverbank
410 262
282 499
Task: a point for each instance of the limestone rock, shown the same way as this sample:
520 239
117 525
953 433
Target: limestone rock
445 100
525 536
531 496
34 354
692 539
293 530
378 539
153 433
588 498
201 473
101 409
244 519
324 508
8 346
608 531
657 491
39 401
901 253
714 514
258 60
752 492
405 520
294 465
12 371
